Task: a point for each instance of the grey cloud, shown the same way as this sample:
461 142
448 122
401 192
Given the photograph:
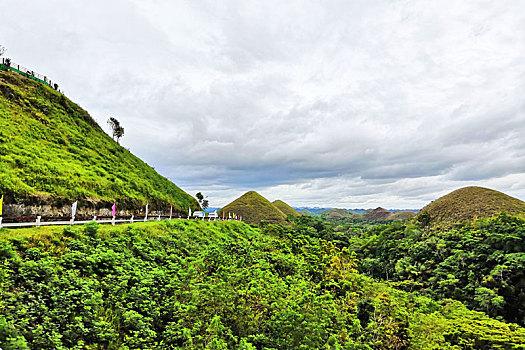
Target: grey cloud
318 103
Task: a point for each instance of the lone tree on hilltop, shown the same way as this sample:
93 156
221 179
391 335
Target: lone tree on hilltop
203 202
116 128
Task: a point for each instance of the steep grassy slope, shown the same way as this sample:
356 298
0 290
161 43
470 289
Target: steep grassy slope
285 208
254 209
219 285
52 152
467 203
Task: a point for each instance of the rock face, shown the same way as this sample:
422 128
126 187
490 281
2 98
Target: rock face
377 214
285 208
468 203
254 209
53 153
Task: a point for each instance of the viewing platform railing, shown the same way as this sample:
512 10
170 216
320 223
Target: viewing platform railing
6 63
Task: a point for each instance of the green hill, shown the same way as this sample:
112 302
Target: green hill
254 209
468 203
285 208
52 152
187 284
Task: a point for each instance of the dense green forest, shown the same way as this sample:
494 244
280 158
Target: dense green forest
53 152
481 263
218 285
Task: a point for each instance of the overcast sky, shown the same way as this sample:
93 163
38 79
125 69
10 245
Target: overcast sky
353 104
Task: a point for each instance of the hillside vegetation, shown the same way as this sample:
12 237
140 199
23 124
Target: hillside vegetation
285 208
255 209
220 285
52 153
468 203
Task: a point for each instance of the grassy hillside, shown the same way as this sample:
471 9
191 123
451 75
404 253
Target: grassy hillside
53 152
219 285
468 203
285 208
255 209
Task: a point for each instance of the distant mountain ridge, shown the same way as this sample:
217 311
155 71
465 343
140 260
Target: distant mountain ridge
318 210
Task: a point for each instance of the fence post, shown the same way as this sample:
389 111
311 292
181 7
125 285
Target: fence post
38 220
131 220
94 218
158 219
113 221
0 222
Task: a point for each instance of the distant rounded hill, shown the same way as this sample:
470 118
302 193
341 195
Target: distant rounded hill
402 215
337 214
468 203
285 208
377 214
254 209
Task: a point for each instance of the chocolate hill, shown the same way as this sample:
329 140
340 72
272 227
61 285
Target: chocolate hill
285 208
377 214
468 203
254 209
336 214
402 215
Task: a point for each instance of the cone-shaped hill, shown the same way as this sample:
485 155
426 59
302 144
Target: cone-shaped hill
254 209
468 203
377 214
402 215
336 214
285 208
52 153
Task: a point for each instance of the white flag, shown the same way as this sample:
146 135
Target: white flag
147 209
189 212
74 209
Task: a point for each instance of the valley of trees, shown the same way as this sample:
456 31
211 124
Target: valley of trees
481 264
